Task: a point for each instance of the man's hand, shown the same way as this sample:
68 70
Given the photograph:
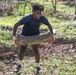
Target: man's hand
15 40
53 38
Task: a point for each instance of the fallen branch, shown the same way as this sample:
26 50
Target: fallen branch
31 40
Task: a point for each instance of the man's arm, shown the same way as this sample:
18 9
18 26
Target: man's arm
15 28
50 28
52 33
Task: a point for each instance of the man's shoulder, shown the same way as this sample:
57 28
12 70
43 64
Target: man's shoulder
28 16
25 19
43 17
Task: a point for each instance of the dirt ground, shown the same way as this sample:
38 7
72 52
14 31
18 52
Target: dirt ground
61 48
47 51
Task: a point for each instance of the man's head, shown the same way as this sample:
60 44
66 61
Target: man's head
37 10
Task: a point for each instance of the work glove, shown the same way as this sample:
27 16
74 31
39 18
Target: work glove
52 38
15 40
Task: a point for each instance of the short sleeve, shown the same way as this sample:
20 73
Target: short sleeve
24 20
45 20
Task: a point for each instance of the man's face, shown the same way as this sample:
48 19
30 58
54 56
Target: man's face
37 14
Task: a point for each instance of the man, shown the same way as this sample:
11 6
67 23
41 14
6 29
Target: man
31 27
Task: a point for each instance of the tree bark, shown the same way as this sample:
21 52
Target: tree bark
31 40
54 3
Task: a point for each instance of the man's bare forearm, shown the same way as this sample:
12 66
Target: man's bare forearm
50 28
15 28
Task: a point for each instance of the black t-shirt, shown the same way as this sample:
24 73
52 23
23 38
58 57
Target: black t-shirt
31 25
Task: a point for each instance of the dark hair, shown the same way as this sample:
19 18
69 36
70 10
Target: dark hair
37 6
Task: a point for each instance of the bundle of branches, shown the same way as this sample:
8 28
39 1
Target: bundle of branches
69 2
6 7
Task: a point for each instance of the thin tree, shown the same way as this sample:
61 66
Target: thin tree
75 7
54 3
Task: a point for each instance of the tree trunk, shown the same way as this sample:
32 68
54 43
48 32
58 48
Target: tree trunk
75 7
54 3
31 40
